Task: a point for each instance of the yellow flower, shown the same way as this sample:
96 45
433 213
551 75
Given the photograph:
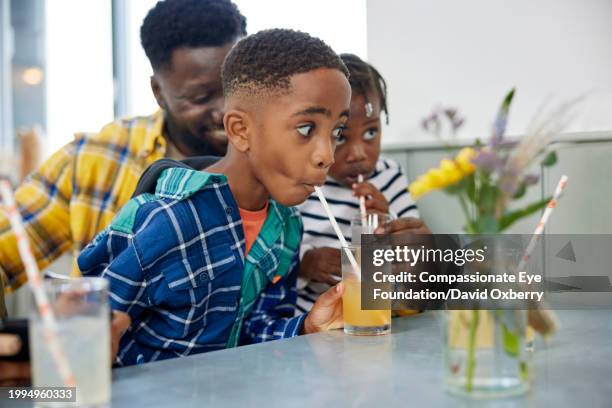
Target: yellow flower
452 172
417 189
449 172
464 160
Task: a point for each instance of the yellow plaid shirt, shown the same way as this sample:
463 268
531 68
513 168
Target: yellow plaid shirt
76 193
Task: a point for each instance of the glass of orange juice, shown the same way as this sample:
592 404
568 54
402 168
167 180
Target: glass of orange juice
358 321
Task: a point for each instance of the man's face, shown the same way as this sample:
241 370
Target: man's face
191 93
359 147
295 133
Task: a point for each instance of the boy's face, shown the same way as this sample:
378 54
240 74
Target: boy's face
359 147
191 93
292 143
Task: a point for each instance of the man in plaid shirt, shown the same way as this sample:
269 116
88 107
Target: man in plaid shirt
191 264
76 193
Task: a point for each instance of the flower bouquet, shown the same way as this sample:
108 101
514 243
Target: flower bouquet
485 353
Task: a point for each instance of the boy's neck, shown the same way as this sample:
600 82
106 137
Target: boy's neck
249 193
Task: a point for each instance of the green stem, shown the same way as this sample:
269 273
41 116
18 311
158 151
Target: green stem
466 212
471 360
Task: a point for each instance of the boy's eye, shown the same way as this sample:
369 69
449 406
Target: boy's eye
370 134
340 140
305 130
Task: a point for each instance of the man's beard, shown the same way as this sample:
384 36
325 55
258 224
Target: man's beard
197 145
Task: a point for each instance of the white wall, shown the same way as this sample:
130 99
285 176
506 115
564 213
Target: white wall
340 23
468 53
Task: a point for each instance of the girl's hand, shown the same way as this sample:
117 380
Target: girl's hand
321 265
402 225
375 201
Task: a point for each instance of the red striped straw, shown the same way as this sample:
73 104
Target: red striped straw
545 317
537 234
40 296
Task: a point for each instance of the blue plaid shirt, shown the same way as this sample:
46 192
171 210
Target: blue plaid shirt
175 262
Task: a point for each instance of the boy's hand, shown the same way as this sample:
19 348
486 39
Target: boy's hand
12 373
321 265
326 313
120 323
402 225
375 201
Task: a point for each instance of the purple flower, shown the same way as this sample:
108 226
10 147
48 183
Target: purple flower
488 160
455 120
431 122
508 187
508 144
499 128
531 179
457 123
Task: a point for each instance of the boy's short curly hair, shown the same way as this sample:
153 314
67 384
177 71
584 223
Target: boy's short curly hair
173 24
265 61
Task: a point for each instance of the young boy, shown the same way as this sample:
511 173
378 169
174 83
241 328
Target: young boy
385 186
210 260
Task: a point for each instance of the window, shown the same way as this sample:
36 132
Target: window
79 68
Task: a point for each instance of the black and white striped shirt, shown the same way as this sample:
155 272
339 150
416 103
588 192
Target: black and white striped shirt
388 178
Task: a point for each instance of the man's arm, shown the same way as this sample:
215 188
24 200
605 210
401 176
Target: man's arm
44 203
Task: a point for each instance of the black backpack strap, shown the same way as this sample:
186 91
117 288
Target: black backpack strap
148 180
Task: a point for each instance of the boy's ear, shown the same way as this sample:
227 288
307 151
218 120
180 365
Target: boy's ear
237 125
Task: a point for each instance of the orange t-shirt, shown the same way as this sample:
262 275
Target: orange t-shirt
252 221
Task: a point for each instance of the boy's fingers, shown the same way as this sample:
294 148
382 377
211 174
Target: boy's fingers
9 344
120 323
331 296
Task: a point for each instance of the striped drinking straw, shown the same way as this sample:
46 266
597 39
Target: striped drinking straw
537 234
40 296
543 320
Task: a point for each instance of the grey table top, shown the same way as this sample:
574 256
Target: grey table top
402 369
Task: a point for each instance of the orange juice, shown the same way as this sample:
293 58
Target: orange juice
357 321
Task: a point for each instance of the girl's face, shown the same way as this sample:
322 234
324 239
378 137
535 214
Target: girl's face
358 148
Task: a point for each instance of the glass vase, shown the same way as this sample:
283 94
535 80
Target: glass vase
485 353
